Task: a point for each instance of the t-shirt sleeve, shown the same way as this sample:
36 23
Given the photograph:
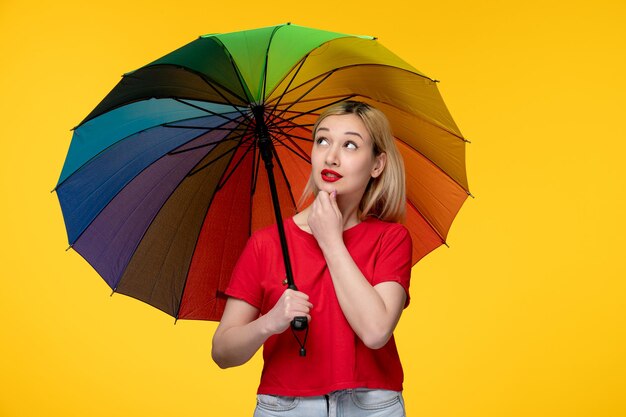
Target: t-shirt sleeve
245 281
393 262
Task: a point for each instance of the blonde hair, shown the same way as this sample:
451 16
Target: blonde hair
385 195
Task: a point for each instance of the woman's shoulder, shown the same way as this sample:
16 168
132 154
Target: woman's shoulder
265 233
376 225
270 233
375 229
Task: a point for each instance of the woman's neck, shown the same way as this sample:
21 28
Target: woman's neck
349 213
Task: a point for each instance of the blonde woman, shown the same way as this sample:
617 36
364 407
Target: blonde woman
352 260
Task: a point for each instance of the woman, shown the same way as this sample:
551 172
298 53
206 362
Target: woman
351 261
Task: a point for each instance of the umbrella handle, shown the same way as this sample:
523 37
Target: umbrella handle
298 323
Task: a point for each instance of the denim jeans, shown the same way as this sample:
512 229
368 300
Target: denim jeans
345 403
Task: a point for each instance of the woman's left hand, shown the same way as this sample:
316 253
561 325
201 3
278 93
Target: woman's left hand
325 220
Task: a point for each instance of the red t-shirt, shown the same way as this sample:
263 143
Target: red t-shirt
336 358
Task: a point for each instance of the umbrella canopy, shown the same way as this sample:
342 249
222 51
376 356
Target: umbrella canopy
162 185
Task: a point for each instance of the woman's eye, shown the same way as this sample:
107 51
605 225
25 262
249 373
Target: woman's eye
321 141
351 145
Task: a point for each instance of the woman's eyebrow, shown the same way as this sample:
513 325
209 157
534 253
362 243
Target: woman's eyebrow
345 133
353 133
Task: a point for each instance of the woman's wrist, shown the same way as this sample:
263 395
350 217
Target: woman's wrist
264 327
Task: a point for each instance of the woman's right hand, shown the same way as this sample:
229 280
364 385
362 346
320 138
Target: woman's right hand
242 332
290 304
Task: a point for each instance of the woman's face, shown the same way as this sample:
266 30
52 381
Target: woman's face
342 158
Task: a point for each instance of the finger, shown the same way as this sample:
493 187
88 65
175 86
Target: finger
315 203
296 298
304 306
301 302
308 317
324 200
300 294
333 202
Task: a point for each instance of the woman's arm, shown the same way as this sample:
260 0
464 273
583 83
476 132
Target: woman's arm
372 311
242 332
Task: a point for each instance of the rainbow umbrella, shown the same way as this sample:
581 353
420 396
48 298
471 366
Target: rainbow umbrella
165 180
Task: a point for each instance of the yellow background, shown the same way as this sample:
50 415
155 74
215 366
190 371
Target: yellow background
524 314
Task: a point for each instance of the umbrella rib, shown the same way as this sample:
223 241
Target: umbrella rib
253 173
208 129
312 111
232 171
303 155
267 54
193 148
227 100
283 121
339 98
279 123
306 93
223 183
211 83
172 125
256 168
279 131
289 84
217 158
443 240
235 67
284 132
272 127
282 170
180 100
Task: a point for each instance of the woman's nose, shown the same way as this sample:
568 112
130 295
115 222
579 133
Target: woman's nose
332 156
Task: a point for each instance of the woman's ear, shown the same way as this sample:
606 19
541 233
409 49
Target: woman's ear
379 165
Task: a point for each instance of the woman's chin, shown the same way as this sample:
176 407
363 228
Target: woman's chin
329 188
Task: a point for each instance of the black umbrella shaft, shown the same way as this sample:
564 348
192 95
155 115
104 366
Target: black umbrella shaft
265 147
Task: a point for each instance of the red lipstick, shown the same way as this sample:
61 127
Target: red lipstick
330 176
